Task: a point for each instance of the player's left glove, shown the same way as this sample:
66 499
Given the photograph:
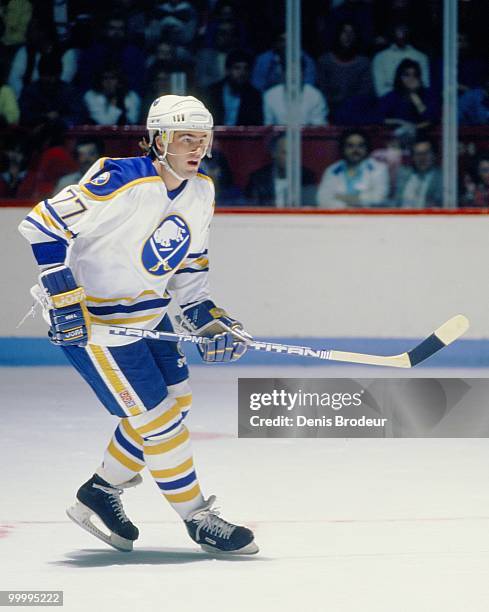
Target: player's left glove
227 338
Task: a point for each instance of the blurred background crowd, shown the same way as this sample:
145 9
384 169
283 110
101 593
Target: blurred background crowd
371 97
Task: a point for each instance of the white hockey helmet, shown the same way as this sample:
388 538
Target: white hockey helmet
170 113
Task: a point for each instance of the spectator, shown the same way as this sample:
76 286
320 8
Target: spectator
269 68
135 18
50 161
234 101
109 102
473 107
174 58
227 193
409 106
55 12
357 180
471 67
13 167
15 15
41 42
477 188
158 83
174 20
50 99
210 62
87 152
387 12
227 11
390 154
267 186
9 109
421 185
114 47
314 108
385 63
344 73
357 12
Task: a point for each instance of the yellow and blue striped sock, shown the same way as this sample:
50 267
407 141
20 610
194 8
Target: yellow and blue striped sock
171 464
168 452
157 438
124 457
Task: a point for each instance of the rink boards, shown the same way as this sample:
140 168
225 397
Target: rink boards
368 283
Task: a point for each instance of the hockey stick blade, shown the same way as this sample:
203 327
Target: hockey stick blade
441 337
447 333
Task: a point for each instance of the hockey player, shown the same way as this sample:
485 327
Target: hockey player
115 249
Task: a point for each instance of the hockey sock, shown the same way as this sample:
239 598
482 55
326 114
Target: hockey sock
124 456
168 453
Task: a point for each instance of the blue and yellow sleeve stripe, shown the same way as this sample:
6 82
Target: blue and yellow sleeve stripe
194 262
48 234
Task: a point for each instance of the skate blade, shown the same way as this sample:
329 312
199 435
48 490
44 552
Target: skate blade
80 514
249 549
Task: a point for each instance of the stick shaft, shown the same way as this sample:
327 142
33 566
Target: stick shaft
268 347
441 337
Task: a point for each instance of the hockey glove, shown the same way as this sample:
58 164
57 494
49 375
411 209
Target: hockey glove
68 314
227 339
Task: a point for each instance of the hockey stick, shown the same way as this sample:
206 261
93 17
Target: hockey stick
441 337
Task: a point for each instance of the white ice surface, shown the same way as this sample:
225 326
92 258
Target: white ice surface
393 525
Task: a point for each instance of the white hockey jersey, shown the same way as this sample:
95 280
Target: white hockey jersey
129 242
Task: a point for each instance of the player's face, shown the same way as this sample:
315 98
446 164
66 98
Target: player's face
186 151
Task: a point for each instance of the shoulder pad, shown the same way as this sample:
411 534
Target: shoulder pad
202 175
117 175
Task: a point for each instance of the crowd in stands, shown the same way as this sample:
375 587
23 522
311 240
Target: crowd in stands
66 63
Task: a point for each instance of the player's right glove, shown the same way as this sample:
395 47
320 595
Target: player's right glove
65 301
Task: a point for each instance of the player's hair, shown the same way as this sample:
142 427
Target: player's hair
145 146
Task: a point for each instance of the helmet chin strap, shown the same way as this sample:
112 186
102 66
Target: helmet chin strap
166 164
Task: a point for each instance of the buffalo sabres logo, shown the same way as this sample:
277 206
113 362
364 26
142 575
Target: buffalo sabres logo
167 246
101 179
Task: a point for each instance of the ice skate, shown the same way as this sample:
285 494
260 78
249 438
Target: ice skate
215 535
98 497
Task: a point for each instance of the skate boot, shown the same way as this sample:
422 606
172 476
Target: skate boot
215 535
98 497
